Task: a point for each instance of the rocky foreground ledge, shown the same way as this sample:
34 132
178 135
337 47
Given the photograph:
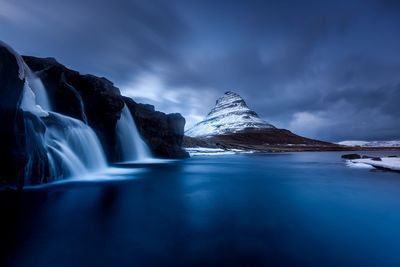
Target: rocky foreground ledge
391 163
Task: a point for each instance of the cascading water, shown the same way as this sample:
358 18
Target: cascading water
132 147
77 95
75 143
72 148
37 87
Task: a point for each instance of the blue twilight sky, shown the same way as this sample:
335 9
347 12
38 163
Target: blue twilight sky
326 69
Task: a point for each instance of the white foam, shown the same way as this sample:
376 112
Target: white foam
111 174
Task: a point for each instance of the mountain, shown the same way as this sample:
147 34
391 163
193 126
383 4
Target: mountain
230 114
232 125
392 143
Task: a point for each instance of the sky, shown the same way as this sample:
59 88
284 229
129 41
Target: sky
323 69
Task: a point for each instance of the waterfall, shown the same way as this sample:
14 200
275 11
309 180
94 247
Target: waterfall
132 147
38 88
77 95
29 103
74 143
71 147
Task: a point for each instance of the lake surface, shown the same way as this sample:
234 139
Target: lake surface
296 209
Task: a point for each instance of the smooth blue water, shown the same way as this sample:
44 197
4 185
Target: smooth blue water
297 209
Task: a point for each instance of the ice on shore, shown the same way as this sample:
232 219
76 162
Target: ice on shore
385 162
205 151
358 165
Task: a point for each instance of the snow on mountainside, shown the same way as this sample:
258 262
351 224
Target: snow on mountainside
230 114
393 143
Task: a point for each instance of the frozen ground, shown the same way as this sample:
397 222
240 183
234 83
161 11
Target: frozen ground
392 143
203 151
387 163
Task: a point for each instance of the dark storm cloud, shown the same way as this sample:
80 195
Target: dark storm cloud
105 37
323 69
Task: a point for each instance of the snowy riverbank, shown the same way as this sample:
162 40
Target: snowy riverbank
204 151
388 163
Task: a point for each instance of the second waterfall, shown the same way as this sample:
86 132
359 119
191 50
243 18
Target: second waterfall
132 147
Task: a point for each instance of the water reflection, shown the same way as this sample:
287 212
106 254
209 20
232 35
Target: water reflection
108 200
296 209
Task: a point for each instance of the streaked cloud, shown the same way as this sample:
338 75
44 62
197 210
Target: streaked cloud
323 69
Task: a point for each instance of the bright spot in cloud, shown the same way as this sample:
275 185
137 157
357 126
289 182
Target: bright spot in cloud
192 103
11 12
306 123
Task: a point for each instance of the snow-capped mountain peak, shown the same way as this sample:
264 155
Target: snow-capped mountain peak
230 114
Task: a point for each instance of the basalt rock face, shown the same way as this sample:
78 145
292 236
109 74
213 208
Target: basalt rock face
162 132
93 100
27 135
98 102
12 152
18 153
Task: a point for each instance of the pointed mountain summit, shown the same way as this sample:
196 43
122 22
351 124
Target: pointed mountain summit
230 115
232 125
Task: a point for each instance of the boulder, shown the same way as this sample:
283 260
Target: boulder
371 158
351 156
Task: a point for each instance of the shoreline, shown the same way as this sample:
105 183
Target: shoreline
283 149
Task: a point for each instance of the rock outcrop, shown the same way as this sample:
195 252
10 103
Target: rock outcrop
98 102
92 100
162 132
12 145
351 156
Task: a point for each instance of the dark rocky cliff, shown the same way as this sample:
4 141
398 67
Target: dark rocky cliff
98 102
162 132
93 100
12 151
15 150
85 97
